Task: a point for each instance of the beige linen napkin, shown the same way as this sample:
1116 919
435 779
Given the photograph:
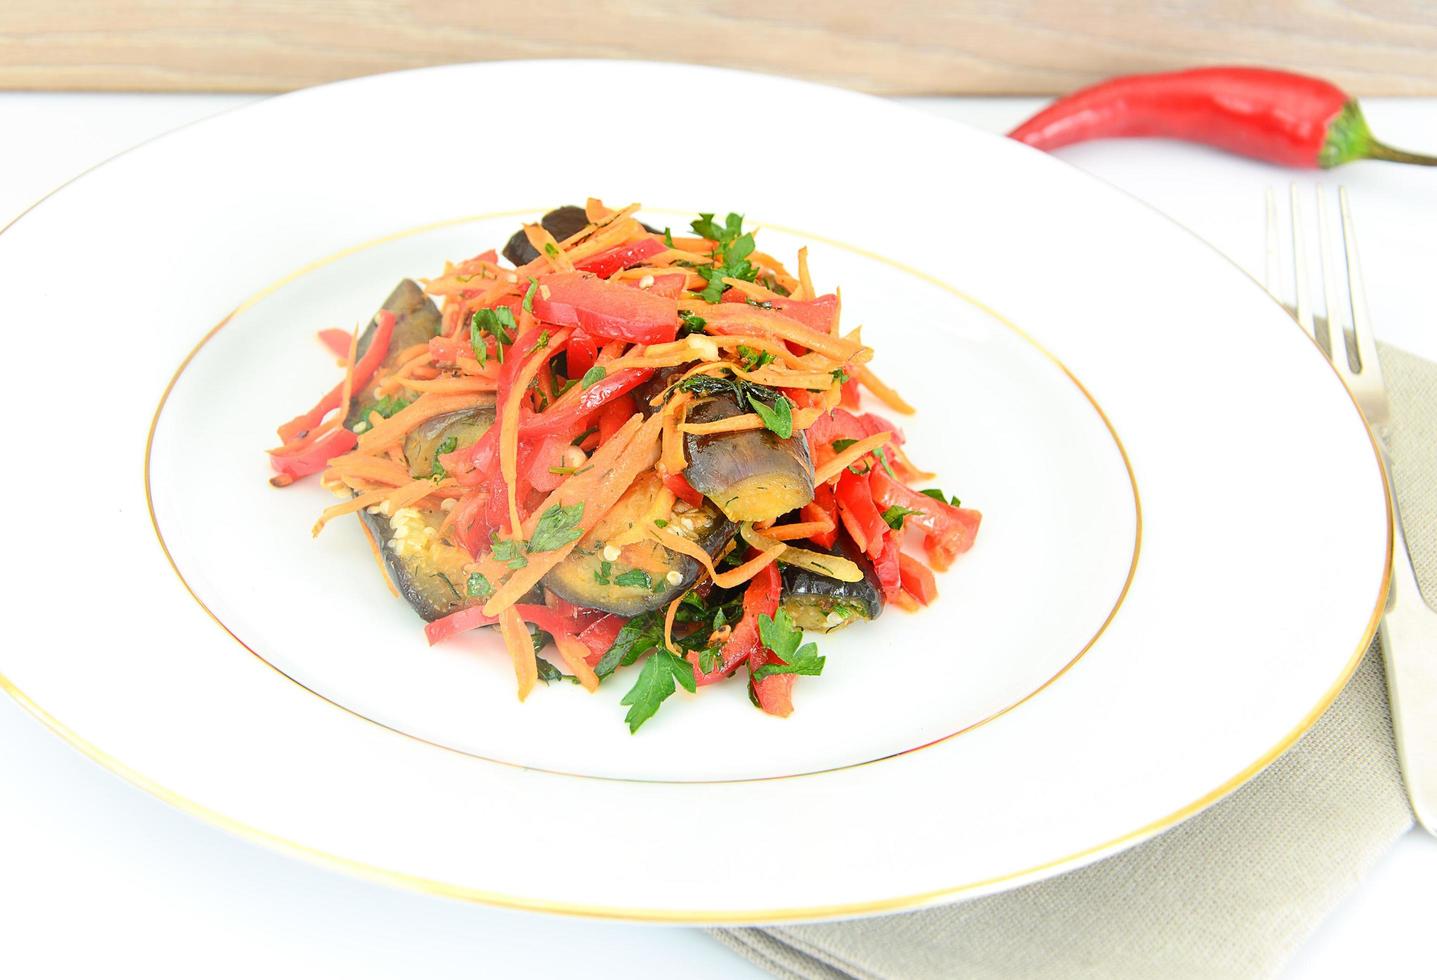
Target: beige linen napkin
1231 892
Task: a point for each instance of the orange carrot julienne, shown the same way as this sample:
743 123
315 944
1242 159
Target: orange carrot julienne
521 650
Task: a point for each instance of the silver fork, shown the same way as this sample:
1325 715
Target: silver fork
1409 628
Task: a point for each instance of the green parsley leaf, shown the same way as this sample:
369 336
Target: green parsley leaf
499 323
782 638
557 527
508 551
689 323
592 377
840 376
660 522
541 343
894 515
634 578
438 472
779 418
940 496
528 303
547 671
668 238
637 637
479 586
655 684
839 445
883 458
551 250
601 574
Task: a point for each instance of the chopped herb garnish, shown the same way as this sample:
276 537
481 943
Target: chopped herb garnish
778 418
547 671
637 637
541 343
601 575
438 472
840 375
894 515
883 458
939 496
782 637
498 323
507 550
752 360
839 445
689 323
592 377
655 684
634 578
551 250
732 247
528 303
660 522
584 435
479 586
668 238
557 527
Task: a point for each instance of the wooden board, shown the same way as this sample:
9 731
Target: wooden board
1371 47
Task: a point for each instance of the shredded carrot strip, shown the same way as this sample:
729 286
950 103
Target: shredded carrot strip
837 310
672 460
402 497
378 558
754 290
391 431
802 419
885 394
724 580
669 615
742 318
918 474
849 456
454 386
575 656
521 650
803 529
805 283
368 468
784 378
509 414
595 211
631 450
544 243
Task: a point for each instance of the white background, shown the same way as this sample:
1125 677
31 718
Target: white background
96 872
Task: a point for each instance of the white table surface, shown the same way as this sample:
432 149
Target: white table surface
96 873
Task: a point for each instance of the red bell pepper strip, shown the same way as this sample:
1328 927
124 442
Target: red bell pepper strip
950 530
816 314
1285 118
472 617
917 579
888 570
582 353
364 369
311 457
605 264
336 340
669 286
614 415
606 310
775 693
760 598
823 507
681 488
565 418
860 517
600 635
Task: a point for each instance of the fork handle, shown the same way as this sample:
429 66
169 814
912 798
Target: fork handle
1409 647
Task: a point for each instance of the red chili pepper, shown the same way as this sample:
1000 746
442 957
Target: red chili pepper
1285 118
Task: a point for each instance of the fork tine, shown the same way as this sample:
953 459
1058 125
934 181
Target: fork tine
1270 269
1303 301
1336 343
1367 362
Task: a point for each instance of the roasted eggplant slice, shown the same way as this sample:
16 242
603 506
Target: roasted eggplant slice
430 575
416 319
560 222
423 446
606 572
817 602
752 475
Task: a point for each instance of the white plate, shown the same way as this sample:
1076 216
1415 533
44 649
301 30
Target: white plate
1132 661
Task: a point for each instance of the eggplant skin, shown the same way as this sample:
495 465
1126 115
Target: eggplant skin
810 599
586 578
431 590
561 223
752 475
422 446
416 320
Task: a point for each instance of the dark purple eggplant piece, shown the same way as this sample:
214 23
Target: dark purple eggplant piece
817 602
416 320
643 575
752 475
562 223
423 446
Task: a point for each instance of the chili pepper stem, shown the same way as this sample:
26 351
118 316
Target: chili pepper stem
1349 138
1381 151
